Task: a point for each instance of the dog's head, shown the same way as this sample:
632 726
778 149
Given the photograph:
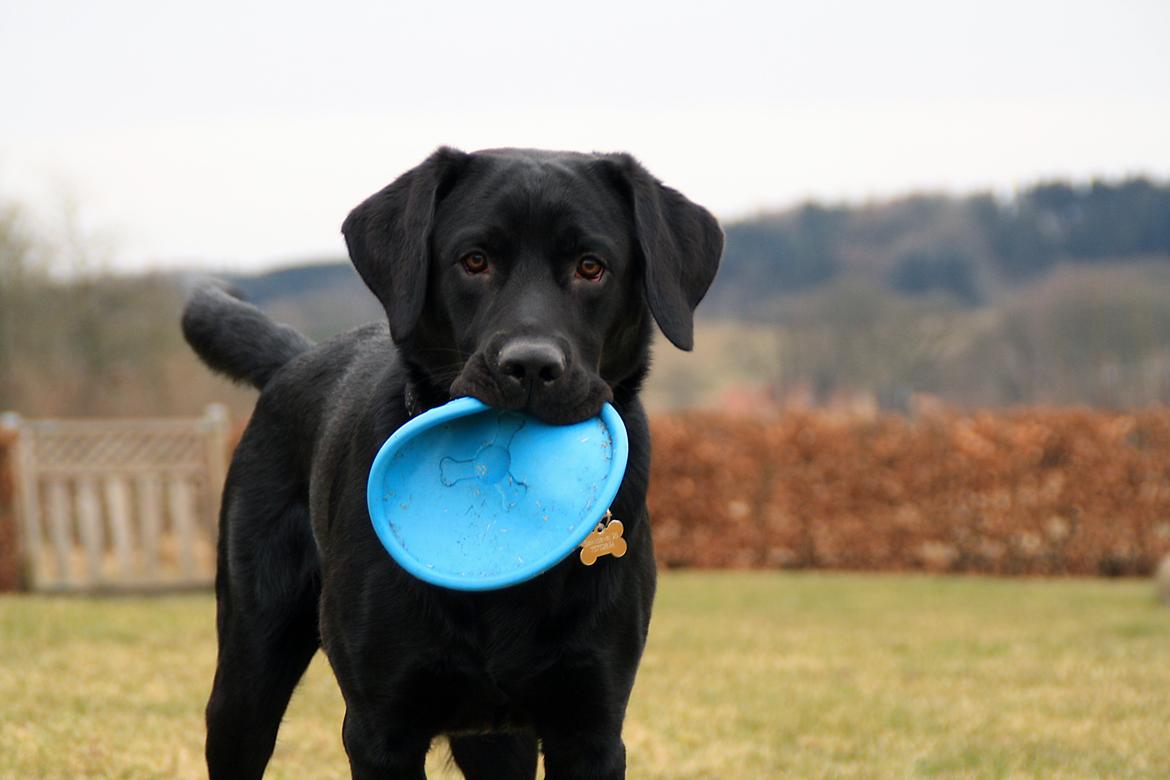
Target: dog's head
527 279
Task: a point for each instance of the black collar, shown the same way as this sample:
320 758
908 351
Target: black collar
410 399
418 395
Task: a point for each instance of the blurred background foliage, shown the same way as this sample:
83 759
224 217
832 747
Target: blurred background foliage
76 340
1057 295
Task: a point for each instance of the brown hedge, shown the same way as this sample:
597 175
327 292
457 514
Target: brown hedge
1035 491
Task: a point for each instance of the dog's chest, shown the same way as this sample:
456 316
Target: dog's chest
486 690
489 671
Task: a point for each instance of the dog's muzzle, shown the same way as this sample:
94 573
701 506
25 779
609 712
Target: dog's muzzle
535 374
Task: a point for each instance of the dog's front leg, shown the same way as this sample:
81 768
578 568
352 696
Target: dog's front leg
377 749
585 755
579 721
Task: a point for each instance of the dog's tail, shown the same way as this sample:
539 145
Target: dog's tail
236 339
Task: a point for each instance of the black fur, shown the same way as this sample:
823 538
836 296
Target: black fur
548 662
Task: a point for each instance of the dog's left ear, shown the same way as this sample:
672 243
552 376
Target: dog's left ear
681 244
389 235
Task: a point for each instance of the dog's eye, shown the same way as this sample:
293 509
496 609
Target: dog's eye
590 268
474 262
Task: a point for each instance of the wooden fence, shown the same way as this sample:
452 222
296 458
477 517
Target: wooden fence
119 504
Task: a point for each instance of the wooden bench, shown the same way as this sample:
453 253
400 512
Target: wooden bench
119 504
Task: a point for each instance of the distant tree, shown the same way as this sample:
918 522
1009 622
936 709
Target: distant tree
1118 220
1021 248
77 341
947 270
770 257
18 271
851 338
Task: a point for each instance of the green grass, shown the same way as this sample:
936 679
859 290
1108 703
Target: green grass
746 675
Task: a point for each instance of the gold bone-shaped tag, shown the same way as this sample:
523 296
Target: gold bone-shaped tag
603 540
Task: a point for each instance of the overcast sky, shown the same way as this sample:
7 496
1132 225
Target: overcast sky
236 135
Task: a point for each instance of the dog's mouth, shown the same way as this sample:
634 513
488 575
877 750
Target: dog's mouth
577 396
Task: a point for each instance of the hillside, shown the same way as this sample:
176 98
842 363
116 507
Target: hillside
974 250
1059 295
320 298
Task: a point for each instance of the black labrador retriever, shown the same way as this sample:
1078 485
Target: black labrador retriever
529 280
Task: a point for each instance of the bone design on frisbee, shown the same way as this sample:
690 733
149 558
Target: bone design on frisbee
490 464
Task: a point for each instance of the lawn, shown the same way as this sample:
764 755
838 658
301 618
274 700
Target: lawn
747 675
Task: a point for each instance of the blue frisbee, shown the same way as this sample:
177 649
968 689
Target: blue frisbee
470 497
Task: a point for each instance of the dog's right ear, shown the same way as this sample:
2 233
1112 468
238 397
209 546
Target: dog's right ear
389 234
680 243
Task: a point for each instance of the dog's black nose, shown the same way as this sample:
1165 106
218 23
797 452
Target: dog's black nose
531 361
